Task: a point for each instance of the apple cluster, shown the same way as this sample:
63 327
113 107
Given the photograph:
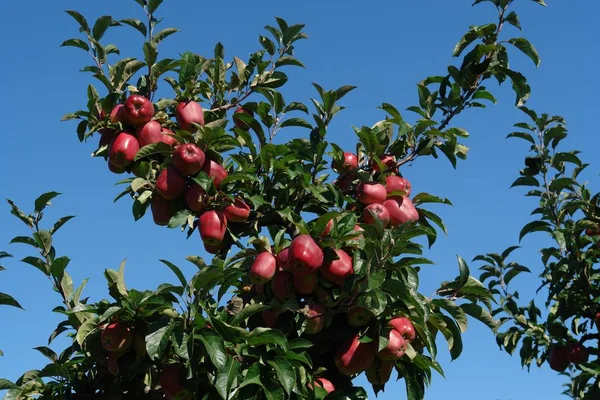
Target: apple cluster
561 357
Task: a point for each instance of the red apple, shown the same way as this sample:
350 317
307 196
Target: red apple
263 268
401 209
282 259
404 328
306 283
282 286
379 211
188 158
270 317
379 372
344 181
304 255
238 211
114 169
162 210
394 183
138 110
315 318
187 113
336 271
325 384
212 226
170 381
215 171
395 348
123 149
213 249
116 337
577 353
370 193
350 163
354 357
386 159
170 184
359 316
169 140
558 358
238 122
327 229
116 115
150 132
196 197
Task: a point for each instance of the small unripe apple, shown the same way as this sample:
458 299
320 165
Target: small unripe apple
336 271
315 318
162 210
238 211
188 158
359 316
282 286
116 115
150 132
304 255
577 353
354 357
395 348
212 226
196 197
116 337
379 372
263 268
377 210
401 209
215 171
187 113
123 149
238 122
394 183
306 283
138 110
386 159
370 193
350 163
404 328
170 184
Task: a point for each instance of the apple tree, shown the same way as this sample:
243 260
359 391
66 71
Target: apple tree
316 248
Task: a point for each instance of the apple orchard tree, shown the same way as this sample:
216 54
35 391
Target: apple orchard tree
315 275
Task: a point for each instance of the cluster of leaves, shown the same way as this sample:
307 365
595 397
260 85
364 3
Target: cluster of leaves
569 213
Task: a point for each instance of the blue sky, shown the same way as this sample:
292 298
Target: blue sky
384 49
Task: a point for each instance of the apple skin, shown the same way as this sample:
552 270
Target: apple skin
336 271
188 158
168 140
196 197
350 163
395 348
114 169
137 110
380 211
270 317
386 159
170 382
116 337
263 268
282 286
212 226
306 283
304 255
577 353
370 193
283 260
123 149
116 115
558 358
150 132
170 184
188 112
162 210
213 249
315 318
238 122
325 384
394 183
344 181
381 376
354 357
238 211
214 170
404 328
359 316
401 209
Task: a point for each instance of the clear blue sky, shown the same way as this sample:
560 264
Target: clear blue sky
384 49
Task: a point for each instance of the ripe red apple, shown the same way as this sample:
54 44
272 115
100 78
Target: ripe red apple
238 211
215 171
282 286
170 381
238 122
404 328
577 353
170 184
162 210
169 140
401 209
379 211
114 169
306 283
315 318
395 348
327 229
350 163
359 316
196 197
138 110
379 372
116 337
150 132
370 193
282 259
116 115
188 158
270 317
123 149
336 271
354 357
325 384
213 249
212 226
394 183
263 268
344 181
386 159
187 113
304 255
558 358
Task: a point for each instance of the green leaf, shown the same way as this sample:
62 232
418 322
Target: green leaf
48 352
252 376
299 343
226 377
101 25
522 135
534 226
152 150
76 43
261 336
158 338
80 19
526 181
58 266
296 122
44 239
37 263
137 24
85 329
480 314
464 272
455 344
153 5
513 19
150 53
288 60
247 312
5 384
24 240
162 35
526 47
7 300
60 223
213 343
285 373
121 279
176 271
